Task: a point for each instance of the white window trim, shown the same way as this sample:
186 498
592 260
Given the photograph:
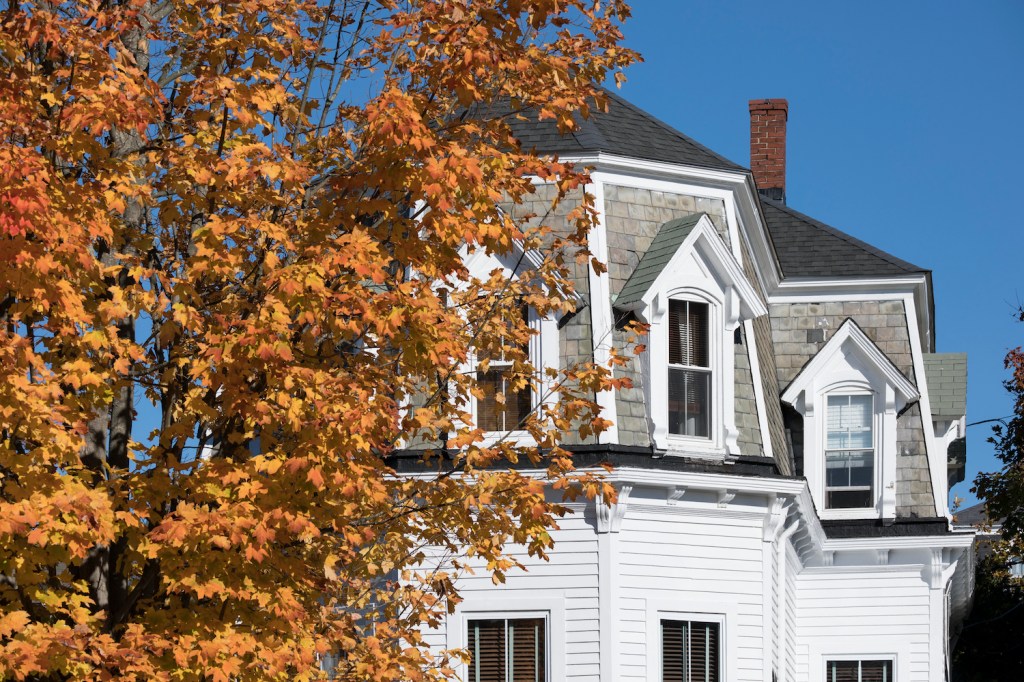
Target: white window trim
722 612
736 302
858 648
543 346
552 609
851 363
722 369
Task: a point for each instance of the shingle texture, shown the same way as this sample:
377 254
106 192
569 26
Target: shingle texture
623 130
947 383
809 248
664 246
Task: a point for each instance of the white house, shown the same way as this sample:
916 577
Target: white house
781 463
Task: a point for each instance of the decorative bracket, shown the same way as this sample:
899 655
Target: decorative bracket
828 557
882 556
774 519
609 517
725 497
675 494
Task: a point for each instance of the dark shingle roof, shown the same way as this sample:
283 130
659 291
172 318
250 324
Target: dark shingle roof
947 383
623 130
664 246
809 248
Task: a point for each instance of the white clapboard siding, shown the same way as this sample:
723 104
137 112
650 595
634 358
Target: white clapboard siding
570 575
888 610
697 559
793 567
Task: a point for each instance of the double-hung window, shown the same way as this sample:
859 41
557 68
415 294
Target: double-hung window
689 369
858 671
850 452
507 650
689 651
507 412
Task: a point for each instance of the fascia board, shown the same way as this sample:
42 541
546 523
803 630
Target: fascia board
849 331
613 163
660 478
949 541
705 235
811 286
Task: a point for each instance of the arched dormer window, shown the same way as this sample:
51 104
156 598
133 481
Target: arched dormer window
850 395
691 291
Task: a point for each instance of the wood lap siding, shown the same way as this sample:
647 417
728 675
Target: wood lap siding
692 559
892 607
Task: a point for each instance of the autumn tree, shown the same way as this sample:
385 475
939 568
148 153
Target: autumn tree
1003 490
233 293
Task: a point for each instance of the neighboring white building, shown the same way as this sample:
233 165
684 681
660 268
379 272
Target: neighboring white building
781 468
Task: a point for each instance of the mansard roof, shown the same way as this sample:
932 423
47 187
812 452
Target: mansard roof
665 244
623 130
809 248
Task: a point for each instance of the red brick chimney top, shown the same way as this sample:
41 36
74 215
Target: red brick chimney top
768 146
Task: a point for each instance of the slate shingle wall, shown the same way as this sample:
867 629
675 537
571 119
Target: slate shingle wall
633 217
796 332
575 342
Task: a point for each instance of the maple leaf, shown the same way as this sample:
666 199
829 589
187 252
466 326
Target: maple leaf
233 258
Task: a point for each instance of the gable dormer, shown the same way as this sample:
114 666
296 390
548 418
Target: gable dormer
850 394
691 291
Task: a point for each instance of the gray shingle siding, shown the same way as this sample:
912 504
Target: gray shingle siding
947 383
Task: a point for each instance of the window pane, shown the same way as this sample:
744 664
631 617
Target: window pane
876 671
495 416
511 650
858 671
487 651
526 639
689 651
688 333
689 402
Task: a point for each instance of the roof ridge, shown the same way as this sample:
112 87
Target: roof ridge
665 126
849 239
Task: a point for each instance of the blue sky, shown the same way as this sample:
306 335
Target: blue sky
905 130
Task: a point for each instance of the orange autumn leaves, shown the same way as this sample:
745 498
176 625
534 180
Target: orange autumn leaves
234 299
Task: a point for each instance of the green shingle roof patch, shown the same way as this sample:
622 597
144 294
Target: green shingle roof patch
946 374
665 244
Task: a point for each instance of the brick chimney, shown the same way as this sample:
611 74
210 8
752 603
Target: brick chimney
768 146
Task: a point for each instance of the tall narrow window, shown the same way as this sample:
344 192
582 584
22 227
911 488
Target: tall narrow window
492 413
689 370
689 651
507 650
849 453
858 671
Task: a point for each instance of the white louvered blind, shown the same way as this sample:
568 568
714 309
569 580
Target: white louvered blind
849 452
859 671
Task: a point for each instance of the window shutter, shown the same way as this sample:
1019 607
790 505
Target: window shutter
487 651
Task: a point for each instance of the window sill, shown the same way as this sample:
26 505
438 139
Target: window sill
694 448
840 514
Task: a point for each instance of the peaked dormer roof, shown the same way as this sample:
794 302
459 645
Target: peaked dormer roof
850 337
809 248
662 260
623 130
